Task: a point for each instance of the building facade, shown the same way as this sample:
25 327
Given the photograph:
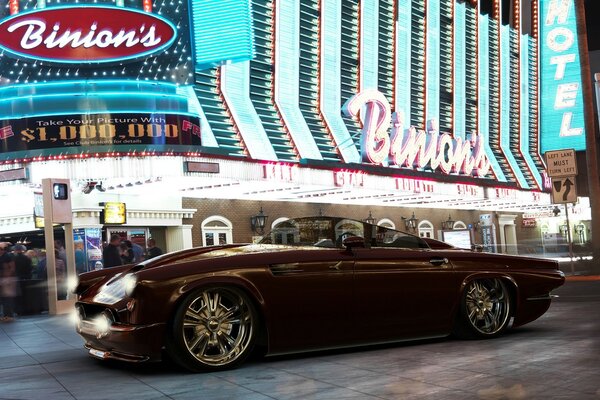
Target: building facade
397 106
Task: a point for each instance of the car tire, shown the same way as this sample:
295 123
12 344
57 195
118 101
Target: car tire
213 329
485 309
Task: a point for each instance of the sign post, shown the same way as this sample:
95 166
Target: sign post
57 209
562 168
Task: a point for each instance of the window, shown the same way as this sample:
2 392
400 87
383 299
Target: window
459 225
216 230
425 229
284 231
386 223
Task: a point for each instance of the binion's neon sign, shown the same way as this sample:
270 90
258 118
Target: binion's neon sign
93 34
407 147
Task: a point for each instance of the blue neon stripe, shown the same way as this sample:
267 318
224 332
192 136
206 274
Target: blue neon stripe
484 94
505 104
235 86
223 30
403 62
331 61
369 23
287 72
524 137
432 60
460 90
115 96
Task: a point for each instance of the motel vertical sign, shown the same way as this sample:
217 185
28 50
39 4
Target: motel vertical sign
562 117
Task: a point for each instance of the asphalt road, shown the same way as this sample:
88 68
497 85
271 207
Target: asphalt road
555 357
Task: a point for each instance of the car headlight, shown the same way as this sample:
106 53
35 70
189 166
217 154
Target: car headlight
72 283
116 289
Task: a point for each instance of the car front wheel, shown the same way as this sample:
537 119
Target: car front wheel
485 309
215 328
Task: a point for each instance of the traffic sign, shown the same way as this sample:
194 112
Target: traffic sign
564 190
561 163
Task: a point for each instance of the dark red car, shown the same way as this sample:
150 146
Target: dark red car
312 283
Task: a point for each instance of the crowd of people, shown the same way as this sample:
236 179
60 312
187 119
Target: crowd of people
22 269
121 252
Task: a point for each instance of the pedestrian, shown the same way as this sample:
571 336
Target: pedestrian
111 256
62 252
61 276
24 270
126 252
138 253
8 283
152 250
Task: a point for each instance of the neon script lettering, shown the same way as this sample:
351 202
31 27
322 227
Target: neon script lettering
35 35
92 34
409 148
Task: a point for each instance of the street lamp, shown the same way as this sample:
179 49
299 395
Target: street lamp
258 222
449 224
370 219
410 223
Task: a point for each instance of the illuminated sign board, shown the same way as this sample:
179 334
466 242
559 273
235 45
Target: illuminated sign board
85 34
562 117
75 132
79 78
114 213
406 147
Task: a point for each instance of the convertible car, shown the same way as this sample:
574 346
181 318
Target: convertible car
312 283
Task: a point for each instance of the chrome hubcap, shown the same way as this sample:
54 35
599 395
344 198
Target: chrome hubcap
487 305
217 326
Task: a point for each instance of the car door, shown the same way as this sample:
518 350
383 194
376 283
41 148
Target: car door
309 296
403 292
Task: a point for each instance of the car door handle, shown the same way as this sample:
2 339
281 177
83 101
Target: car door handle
336 267
437 261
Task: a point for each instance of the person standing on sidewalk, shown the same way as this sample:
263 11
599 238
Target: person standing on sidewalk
111 256
8 283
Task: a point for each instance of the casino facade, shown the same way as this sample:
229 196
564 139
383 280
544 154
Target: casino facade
197 114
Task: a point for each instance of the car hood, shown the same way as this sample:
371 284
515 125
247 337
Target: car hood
213 252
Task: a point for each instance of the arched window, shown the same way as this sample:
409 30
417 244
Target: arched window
286 232
216 230
459 225
278 221
386 223
425 229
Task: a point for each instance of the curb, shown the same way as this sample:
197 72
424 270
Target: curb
583 278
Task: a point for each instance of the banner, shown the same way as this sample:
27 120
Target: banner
87 131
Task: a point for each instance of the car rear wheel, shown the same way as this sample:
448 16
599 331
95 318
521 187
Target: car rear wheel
213 329
485 309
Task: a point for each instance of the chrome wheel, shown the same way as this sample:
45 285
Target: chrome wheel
487 306
215 328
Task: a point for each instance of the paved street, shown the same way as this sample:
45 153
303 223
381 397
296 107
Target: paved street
556 357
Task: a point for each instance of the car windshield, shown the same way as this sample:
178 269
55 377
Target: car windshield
331 232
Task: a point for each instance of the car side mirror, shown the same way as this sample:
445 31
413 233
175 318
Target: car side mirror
353 241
